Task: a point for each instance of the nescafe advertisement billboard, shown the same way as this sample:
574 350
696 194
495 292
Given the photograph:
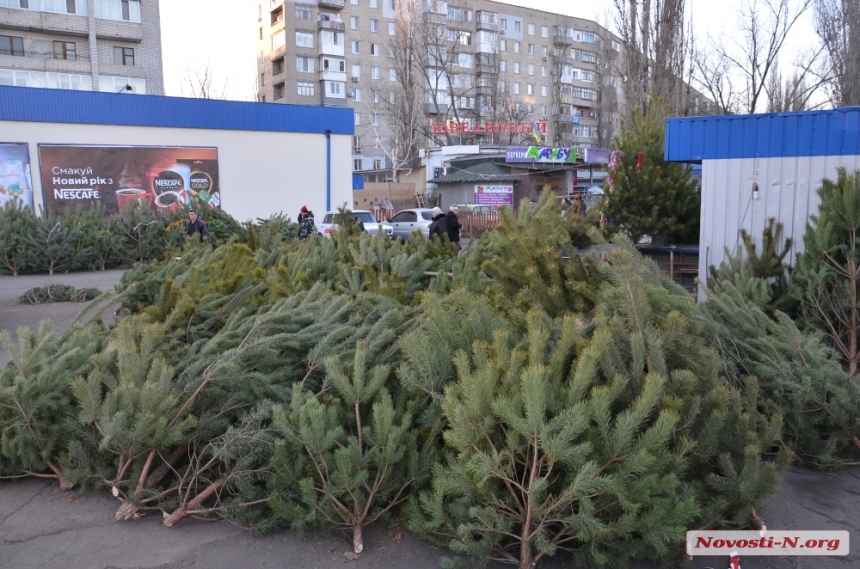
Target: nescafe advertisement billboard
162 178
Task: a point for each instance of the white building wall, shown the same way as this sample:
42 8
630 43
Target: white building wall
787 191
261 173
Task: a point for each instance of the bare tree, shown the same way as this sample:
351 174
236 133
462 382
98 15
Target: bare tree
712 71
655 56
796 93
763 26
837 23
200 83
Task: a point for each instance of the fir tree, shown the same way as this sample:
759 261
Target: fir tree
649 196
142 234
98 237
18 228
769 266
346 459
57 243
827 279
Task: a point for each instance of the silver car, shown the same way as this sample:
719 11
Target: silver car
409 220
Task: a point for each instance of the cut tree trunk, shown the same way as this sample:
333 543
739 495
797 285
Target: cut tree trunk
357 538
184 509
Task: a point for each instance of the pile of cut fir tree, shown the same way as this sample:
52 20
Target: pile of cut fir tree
523 401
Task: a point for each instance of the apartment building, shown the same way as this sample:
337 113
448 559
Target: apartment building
87 45
482 61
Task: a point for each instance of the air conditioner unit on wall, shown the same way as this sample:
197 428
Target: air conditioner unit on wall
544 58
501 32
350 93
355 79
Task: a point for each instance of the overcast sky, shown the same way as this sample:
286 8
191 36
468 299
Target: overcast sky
222 32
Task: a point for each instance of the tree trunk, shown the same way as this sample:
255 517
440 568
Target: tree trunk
357 538
183 510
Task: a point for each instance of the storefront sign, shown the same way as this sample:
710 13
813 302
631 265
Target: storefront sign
596 156
15 180
494 195
164 179
539 154
487 127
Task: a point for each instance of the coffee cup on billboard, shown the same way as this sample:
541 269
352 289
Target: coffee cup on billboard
126 195
169 202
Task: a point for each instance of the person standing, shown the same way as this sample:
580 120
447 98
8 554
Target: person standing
196 225
306 223
359 223
453 226
438 228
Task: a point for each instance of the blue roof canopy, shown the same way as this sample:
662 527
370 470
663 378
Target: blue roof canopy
775 135
88 107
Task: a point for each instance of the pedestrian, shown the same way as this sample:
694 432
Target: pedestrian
306 223
453 226
439 227
196 225
359 223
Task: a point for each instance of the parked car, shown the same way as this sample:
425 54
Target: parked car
409 220
371 225
480 208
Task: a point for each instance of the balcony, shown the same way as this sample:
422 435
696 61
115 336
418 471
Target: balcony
562 59
484 91
485 69
331 25
562 39
431 109
563 118
434 18
332 4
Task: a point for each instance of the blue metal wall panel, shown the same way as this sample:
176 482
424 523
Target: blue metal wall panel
814 133
86 107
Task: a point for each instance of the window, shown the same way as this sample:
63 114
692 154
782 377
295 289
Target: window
263 79
353 22
465 38
123 55
374 4
125 10
356 143
391 52
377 163
544 50
465 59
261 34
303 39
356 164
375 145
587 75
407 216
503 24
279 91
62 50
305 64
503 86
62 6
355 47
334 64
589 57
306 88
332 38
516 88
516 66
52 80
516 47
459 14
543 91
392 28
374 119
544 31
518 26
531 49
503 45
356 70
544 71
11 45
530 89
374 73
353 2
278 66
356 95
278 15
531 29
531 68
615 45
392 75
374 25
303 13
335 89
503 65
374 97
590 37
374 49
111 84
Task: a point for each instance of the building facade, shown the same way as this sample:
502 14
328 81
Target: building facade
478 63
88 45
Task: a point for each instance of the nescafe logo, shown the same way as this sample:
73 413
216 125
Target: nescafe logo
168 181
201 182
